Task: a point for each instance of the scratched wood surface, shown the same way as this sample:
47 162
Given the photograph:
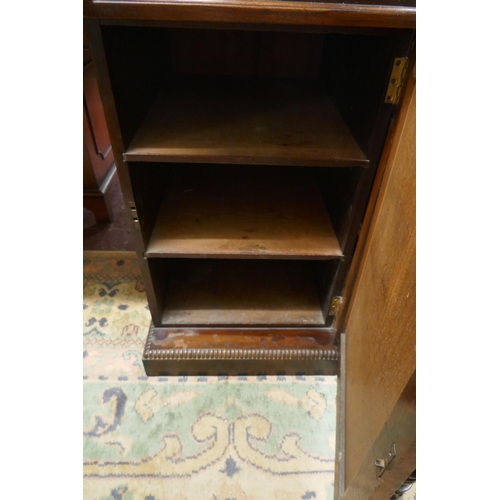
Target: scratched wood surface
240 351
245 120
243 213
380 332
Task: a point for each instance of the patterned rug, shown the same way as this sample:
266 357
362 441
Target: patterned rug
173 438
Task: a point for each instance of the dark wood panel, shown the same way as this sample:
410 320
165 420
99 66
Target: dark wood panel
137 62
214 52
256 11
241 212
243 52
241 26
89 180
253 121
87 56
357 69
241 292
94 125
290 54
108 99
148 181
97 154
155 272
93 28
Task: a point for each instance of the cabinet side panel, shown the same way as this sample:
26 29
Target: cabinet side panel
356 69
138 63
148 184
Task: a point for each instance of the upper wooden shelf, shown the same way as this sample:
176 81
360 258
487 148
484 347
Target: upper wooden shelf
247 121
243 212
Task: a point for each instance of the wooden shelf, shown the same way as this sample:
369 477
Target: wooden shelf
251 121
236 292
243 212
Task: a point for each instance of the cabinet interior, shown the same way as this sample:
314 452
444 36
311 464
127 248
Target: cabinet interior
250 155
264 231
311 97
243 293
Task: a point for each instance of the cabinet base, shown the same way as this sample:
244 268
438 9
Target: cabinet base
241 351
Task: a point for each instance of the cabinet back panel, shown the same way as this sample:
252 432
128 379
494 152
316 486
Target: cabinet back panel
245 53
208 292
204 292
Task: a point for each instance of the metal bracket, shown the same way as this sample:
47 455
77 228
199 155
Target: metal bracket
135 217
396 80
383 463
335 306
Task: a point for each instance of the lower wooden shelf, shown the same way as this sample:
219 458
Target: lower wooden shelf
240 351
225 292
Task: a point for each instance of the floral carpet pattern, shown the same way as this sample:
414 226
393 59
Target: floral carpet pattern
201 438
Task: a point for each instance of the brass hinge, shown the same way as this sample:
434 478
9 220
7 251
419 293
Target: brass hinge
135 217
335 306
396 80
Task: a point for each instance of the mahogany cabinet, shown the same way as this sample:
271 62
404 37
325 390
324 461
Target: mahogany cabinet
256 144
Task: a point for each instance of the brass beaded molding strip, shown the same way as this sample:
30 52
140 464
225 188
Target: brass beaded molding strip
220 354
230 354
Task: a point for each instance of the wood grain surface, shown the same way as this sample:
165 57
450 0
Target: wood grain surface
312 338
243 212
241 292
380 332
399 429
256 11
250 120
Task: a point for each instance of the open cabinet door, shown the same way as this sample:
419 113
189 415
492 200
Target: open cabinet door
378 369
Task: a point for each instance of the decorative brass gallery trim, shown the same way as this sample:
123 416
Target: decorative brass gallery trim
329 354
